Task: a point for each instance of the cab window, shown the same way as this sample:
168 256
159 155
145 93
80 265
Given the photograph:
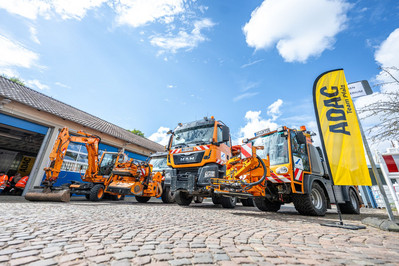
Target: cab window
299 151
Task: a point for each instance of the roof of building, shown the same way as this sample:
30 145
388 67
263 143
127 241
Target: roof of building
37 100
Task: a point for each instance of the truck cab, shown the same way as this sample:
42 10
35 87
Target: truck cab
299 174
197 152
159 162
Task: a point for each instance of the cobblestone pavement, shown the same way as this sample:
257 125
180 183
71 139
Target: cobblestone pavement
125 233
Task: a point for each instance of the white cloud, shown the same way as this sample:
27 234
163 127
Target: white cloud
160 136
33 34
388 53
37 84
14 54
140 12
9 72
252 63
299 29
75 9
183 40
67 9
171 86
254 123
30 9
274 109
62 85
244 96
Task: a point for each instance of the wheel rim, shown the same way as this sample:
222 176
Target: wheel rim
353 200
317 200
100 193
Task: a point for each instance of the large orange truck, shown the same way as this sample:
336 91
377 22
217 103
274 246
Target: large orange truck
197 152
283 166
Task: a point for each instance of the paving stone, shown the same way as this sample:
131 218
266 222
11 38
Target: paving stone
124 262
51 254
100 259
8 251
4 258
141 260
183 255
124 255
142 253
163 257
70 257
24 260
221 257
76 250
22 254
180 262
47 262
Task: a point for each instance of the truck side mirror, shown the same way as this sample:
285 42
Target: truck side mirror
225 134
300 137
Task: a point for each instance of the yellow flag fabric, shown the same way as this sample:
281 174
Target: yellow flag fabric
339 129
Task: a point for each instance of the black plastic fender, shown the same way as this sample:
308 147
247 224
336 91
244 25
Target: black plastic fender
325 183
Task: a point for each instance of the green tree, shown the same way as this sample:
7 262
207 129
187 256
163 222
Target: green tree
137 132
14 79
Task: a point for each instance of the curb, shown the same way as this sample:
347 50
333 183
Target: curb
383 224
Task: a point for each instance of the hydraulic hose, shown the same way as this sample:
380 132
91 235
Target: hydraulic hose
248 186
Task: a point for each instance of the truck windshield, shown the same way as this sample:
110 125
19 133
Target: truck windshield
158 164
276 145
197 135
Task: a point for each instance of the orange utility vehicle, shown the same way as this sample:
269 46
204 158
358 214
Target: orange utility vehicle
280 167
197 152
111 174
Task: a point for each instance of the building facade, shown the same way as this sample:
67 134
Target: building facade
29 125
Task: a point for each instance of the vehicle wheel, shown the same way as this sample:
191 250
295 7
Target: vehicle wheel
182 198
97 192
198 199
167 196
117 197
216 199
352 206
228 202
266 205
142 199
87 196
313 203
247 202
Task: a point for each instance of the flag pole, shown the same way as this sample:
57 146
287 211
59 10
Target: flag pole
374 168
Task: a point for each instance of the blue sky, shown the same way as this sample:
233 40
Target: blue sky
150 64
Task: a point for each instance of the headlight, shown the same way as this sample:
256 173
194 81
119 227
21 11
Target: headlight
282 170
210 174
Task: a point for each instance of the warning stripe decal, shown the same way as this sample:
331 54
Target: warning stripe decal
246 151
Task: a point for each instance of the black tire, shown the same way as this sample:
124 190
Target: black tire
228 202
198 199
266 205
87 196
96 192
142 199
182 198
247 202
216 200
353 205
167 196
313 203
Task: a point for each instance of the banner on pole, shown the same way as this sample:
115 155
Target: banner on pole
339 130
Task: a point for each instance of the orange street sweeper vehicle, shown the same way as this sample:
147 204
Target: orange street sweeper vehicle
281 167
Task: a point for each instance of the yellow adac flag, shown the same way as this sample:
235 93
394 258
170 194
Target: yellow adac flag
339 129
